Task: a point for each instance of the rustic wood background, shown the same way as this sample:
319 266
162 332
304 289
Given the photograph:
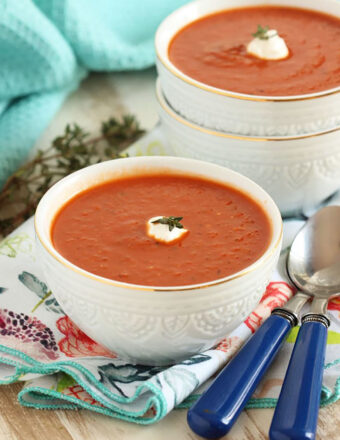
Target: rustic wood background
19 423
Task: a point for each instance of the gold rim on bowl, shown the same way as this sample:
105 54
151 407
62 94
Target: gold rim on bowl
57 256
172 113
241 96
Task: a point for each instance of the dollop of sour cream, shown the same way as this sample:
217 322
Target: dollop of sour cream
270 46
161 232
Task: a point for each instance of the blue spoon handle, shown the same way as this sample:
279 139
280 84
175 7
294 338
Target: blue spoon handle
215 412
296 413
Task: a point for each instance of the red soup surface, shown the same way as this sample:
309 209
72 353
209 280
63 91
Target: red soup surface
212 50
103 230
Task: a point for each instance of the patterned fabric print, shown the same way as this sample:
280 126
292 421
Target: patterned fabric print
276 295
76 343
150 414
78 392
182 381
64 381
27 334
334 304
14 244
126 373
110 374
196 359
229 345
41 290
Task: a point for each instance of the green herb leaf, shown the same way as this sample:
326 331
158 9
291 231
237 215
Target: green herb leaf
172 222
261 33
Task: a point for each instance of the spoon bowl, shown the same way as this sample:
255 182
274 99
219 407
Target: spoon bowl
313 263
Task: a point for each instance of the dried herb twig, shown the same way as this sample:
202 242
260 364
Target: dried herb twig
73 150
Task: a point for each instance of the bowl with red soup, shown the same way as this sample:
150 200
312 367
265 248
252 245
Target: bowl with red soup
299 172
157 258
252 67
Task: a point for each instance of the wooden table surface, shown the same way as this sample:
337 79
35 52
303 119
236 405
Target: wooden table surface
18 423
99 97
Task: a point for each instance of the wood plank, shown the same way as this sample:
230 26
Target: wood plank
19 423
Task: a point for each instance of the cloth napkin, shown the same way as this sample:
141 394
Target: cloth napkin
63 368
48 46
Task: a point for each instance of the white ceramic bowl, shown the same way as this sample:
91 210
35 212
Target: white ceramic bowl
235 112
298 172
153 325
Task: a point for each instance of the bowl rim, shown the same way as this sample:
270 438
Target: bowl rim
46 243
165 61
179 118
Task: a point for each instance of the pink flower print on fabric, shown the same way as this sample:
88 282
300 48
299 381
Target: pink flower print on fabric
27 334
76 343
276 295
229 345
334 304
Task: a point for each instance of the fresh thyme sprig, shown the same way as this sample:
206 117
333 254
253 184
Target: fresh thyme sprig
261 33
171 221
73 150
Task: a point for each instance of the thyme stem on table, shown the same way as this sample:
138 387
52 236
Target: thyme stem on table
73 150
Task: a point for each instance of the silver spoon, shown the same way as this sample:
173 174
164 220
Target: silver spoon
314 267
215 412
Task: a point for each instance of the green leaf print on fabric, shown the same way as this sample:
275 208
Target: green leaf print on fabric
126 373
40 288
15 244
64 381
2 290
33 284
181 381
53 305
197 359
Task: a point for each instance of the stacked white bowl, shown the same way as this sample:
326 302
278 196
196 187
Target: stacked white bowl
290 145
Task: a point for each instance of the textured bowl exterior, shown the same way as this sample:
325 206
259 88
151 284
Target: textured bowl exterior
298 173
238 113
155 327
150 325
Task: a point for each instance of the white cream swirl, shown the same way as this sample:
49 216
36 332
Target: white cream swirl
161 232
270 46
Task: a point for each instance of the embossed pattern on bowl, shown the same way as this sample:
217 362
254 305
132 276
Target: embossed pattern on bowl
153 325
298 172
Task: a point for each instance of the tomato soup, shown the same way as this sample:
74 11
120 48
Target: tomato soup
103 230
212 50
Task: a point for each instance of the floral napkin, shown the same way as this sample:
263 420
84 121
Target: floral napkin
64 368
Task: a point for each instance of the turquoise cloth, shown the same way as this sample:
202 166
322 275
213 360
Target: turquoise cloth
48 46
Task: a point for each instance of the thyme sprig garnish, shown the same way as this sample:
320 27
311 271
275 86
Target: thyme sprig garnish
73 150
173 222
262 34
